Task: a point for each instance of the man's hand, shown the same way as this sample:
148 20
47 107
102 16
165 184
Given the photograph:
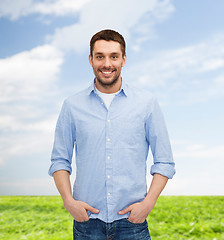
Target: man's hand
78 210
138 212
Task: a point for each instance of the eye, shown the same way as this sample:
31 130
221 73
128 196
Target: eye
114 57
99 57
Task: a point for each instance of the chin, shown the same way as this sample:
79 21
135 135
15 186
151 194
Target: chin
107 83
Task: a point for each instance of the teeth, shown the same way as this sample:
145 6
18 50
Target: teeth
106 72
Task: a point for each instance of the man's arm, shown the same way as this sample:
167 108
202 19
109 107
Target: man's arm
77 209
162 169
140 211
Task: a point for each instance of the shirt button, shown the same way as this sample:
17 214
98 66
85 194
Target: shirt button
108 194
108 157
108 139
108 120
108 177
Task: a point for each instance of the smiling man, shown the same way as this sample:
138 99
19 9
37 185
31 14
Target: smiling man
107 59
111 125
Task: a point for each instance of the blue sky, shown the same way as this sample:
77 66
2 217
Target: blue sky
175 50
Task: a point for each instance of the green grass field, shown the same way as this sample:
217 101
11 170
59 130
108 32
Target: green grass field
173 218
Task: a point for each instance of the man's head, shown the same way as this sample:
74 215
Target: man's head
107 57
108 35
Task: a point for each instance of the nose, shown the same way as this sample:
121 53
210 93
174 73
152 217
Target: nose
107 62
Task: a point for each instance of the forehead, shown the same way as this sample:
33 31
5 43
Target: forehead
106 47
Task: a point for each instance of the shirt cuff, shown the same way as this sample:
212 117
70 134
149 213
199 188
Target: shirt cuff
59 165
165 169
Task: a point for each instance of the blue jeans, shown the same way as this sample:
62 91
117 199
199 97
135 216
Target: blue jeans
95 229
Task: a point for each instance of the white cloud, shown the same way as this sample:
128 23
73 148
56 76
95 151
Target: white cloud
27 84
1 161
19 139
33 140
59 7
169 64
212 64
97 16
37 186
193 73
199 169
16 122
28 74
163 9
192 184
197 151
217 88
185 149
15 9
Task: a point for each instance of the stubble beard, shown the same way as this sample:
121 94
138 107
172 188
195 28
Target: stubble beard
107 84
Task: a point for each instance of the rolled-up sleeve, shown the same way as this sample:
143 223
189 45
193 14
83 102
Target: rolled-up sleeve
157 136
61 157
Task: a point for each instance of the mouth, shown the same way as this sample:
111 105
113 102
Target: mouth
107 73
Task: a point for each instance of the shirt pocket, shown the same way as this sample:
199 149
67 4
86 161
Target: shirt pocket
130 132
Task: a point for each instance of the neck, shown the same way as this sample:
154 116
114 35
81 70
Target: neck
108 88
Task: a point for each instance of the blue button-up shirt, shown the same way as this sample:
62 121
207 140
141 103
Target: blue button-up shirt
111 147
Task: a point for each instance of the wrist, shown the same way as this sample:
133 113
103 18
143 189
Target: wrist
68 200
149 203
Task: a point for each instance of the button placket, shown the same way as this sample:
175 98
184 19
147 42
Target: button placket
101 100
109 166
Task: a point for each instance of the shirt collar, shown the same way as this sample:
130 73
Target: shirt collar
124 88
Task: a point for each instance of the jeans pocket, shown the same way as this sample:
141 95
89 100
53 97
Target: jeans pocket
136 230
143 223
80 229
82 222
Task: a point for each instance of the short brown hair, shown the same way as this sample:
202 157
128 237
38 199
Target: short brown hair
108 35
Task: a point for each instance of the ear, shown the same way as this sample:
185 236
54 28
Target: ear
124 60
90 60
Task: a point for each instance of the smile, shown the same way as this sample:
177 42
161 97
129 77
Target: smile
107 73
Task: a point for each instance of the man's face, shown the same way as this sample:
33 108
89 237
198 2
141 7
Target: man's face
107 62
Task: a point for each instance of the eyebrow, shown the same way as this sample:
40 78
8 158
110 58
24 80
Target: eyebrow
113 53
